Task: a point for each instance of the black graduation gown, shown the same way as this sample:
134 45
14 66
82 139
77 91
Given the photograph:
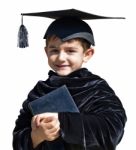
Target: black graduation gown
100 125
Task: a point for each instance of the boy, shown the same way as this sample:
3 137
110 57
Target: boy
100 124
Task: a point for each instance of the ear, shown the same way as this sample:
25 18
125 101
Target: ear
88 54
45 49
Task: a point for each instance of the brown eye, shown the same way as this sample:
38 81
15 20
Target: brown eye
71 51
54 51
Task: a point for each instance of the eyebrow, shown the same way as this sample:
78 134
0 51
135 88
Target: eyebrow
52 46
57 47
71 47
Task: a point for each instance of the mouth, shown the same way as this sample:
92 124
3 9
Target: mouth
62 66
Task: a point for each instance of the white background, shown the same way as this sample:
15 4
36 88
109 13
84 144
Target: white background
20 69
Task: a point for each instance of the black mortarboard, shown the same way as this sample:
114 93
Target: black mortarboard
68 24
59 100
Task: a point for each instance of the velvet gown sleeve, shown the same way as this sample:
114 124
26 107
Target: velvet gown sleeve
22 130
103 117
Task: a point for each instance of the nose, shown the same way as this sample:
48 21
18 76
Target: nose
62 56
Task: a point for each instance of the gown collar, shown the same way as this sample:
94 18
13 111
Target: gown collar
83 72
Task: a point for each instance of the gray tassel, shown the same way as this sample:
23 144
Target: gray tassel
22 36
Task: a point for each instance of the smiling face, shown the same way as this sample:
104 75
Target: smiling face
66 57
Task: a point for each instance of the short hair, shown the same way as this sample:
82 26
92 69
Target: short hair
84 43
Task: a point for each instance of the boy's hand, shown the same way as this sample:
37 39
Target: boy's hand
45 126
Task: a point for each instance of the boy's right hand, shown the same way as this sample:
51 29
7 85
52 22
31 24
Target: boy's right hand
45 126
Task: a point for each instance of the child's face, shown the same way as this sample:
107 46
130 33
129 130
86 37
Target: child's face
66 57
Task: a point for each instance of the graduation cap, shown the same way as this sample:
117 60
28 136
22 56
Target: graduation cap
59 100
68 24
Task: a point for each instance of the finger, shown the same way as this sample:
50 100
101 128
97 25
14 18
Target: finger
51 122
52 126
53 136
55 115
49 116
37 120
53 130
33 125
48 119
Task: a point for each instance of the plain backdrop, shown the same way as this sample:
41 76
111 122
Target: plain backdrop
20 69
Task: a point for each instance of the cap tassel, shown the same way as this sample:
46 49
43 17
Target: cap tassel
22 36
